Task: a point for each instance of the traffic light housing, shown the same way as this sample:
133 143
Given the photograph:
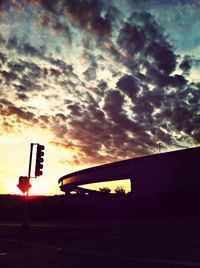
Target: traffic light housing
39 160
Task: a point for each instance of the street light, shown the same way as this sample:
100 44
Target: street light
158 143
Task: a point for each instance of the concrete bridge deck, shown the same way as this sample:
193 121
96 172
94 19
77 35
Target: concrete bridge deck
176 171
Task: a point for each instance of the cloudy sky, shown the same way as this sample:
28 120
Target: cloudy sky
95 81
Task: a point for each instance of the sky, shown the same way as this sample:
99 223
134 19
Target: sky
95 81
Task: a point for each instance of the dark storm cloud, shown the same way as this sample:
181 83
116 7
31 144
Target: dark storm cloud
143 110
20 113
75 109
44 119
114 15
114 101
25 48
89 134
23 75
95 130
150 101
86 14
101 26
63 67
162 80
180 117
3 58
128 85
180 112
186 64
53 22
163 136
56 25
57 62
90 73
61 116
5 102
140 44
13 42
117 55
27 76
8 76
9 109
33 51
155 97
143 35
113 107
55 72
98 114
131 38
163 55
27 83
87 128
168 107
16 66
64 29
176 112
28 67
51 6
22 97
20 88
102 85
144 105
178 81
33 70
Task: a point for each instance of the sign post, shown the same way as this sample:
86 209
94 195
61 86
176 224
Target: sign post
24 181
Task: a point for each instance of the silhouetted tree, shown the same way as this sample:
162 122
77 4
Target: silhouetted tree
105 190
120 190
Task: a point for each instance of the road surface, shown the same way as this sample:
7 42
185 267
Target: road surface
95 243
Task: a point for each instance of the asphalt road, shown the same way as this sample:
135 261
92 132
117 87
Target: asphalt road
113 243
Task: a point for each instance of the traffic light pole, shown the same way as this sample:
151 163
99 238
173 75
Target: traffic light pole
24 182
30 162
25 225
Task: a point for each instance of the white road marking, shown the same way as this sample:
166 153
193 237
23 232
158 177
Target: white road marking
3 253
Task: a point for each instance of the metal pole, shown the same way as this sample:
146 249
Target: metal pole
30 161
25 225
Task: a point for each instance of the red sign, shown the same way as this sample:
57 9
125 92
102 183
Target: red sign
24 184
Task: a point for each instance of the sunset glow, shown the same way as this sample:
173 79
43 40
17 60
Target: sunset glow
95 82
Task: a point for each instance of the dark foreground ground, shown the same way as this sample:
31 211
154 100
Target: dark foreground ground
101 243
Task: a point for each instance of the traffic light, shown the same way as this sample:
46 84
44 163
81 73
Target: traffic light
39 160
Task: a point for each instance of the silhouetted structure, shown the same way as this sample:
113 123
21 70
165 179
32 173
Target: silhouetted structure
175 172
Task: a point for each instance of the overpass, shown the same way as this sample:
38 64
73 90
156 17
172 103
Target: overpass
151 175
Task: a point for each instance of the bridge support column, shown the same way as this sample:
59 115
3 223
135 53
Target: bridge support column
132 182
